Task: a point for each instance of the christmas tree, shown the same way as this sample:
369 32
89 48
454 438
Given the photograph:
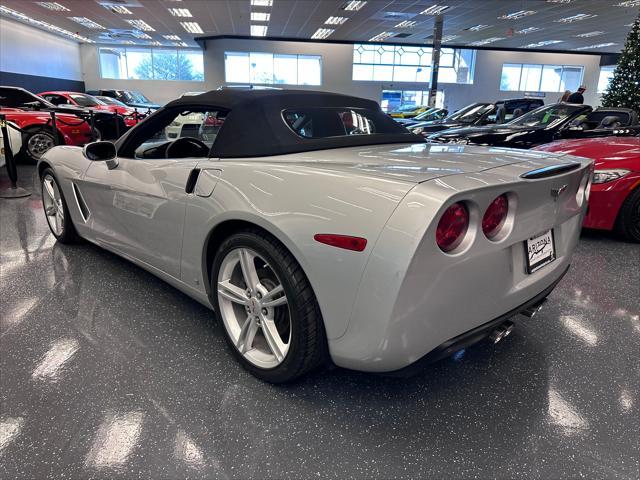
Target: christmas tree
624 87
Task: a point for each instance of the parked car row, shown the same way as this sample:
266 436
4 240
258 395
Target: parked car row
80 118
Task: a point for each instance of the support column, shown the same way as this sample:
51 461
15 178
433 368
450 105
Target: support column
435 59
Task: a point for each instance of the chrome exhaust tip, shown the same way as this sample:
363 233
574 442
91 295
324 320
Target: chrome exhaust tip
532 310
502 332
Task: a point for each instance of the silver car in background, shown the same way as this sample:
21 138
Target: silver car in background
319 229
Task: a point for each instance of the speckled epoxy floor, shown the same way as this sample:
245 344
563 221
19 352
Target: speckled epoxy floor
106 372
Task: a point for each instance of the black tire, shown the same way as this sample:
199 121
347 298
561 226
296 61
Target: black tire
628 221
308 344
33 154
69 233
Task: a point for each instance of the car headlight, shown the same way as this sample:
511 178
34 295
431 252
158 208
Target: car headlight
459 141
175 124
604 176
418 130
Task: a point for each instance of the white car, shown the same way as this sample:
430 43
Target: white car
319 229
15 142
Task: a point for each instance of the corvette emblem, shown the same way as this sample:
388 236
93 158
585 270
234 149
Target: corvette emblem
556 192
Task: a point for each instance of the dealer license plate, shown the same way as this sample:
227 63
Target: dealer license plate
540 251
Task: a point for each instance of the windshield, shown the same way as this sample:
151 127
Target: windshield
407 108
86 100
471 113
134 97
111 101
18 98
546 116
427 113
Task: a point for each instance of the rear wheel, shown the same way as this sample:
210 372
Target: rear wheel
269 312
628 221
55 209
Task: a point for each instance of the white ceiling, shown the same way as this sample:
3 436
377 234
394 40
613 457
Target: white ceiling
299 19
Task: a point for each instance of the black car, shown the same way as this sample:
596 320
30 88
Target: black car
480 113
128 97
544 125
429 115
104 122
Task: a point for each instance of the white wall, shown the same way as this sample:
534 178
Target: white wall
159 91
337 70
30 51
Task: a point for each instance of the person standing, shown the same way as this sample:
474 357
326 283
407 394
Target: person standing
565 96
577 97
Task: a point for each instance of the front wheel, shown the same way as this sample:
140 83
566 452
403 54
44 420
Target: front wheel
269 312
55 209
37 142
628 221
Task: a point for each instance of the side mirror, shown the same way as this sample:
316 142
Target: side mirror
101 152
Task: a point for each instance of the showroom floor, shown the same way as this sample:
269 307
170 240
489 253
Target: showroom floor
106 370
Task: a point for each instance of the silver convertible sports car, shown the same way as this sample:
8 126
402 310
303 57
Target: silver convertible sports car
321 230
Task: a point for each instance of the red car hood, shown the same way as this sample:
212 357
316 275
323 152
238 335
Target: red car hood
608 152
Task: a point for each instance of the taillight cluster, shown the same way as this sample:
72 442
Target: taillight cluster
454 223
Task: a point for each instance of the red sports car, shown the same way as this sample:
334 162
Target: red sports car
89 101
614 203
38 134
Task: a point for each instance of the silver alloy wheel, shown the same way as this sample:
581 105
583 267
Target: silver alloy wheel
53 206
254 308
39 143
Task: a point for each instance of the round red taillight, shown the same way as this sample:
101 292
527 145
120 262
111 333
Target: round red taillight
452 226
495 216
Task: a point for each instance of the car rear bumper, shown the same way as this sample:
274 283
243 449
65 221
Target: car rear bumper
475 335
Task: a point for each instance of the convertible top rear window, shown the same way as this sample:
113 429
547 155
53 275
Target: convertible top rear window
331 122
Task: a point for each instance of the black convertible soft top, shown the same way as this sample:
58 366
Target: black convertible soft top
255 126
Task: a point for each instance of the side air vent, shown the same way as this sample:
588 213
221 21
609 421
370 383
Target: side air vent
82 206
551 171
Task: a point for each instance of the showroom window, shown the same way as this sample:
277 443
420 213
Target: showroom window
400 63
141 63
606 74
272 68
524 77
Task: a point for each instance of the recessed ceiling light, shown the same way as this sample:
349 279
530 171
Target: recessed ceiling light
142 35
141 25
448 38
599 45
172 37
180 44
575 18
435 10
382 36
322 33
192 27
258 30
335 20
180 12
589 34
407 24
261 3
524 31
55 6
38 23
129 42
516 15
260 17
85 22
629 3
544 43
477 28
118 9
354 5
559 1
486 41
156 43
